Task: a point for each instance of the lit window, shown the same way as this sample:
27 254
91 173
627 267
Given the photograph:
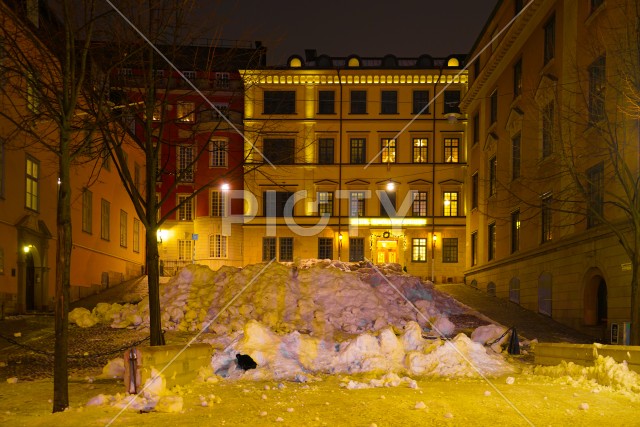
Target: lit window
451 150
450 201
186 112
388 154
32 184
419 250
420 146
217 246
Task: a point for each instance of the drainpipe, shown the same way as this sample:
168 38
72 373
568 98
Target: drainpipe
339 168
433 176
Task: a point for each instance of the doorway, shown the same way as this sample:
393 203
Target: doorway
30 282
595 301
387 251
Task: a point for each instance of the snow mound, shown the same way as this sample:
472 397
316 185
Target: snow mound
322 298
605 372
294 354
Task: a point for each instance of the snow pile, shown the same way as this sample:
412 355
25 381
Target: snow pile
294 355
322 298
605 372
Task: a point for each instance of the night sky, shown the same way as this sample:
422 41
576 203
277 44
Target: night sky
342 27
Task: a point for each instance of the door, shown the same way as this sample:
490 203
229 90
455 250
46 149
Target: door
387 251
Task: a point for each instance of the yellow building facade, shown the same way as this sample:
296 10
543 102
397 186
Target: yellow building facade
546 104
357 159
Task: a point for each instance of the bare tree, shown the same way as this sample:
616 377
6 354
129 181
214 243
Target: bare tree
45 75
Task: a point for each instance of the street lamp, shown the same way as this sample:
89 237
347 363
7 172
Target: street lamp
433 258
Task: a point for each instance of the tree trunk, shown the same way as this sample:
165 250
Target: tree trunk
153 272
635 304
63 272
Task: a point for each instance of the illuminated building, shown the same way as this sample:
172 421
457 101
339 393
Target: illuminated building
375 167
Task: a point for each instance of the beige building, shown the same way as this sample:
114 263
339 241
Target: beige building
548 132
107 236
357 159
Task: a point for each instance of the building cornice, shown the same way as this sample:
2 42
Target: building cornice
391 77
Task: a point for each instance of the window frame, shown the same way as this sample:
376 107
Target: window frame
451 101
419 249
186 111
136 235
420 101
124 228
105 220
325 247
326 155
450 250
32 184
358 151
597 89
358 102
325 203
549 41
491 241
449 208
279 151
218 153
285 246
474 248
356 249
389 102
328 104
218 204
388 150
452 150
493 178
268 249
420 204
279 102
185 208
218 246
185 167
357 204
420 150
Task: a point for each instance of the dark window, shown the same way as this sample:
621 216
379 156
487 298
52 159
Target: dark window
547 129
492 176
550 39
358 102
268 248
515 231
325 203
279 102
545 213
515 157
356 249
420 102
388 153
279 151
325 248
325 151
451 150
476 68
420 146
286 249
449 249
387 203
493 107
597 89
517 79
476 128
491 241
451 101
450 201
389 102
474 248
595 194
474 190
419 207
419 250
274 202
356 203
326 102
358 151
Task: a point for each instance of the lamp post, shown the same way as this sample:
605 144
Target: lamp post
433 258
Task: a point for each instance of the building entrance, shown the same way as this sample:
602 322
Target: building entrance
387 251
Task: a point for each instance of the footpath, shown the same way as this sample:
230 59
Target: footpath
529 325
